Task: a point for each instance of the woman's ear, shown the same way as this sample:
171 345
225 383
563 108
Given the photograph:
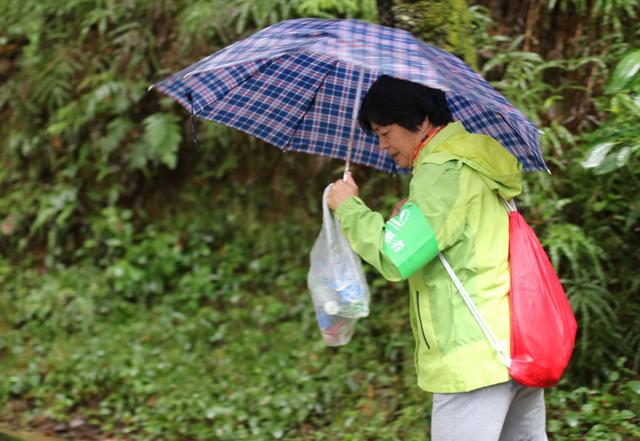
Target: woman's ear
425 126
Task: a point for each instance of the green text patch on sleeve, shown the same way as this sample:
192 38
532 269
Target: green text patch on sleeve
409 240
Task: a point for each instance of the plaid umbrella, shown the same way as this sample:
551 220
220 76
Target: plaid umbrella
297 85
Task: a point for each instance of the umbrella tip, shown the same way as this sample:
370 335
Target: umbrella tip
149 88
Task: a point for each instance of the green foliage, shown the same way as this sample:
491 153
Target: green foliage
606 412
615 145
232 350
602 12
162 137
365 9
249 13
584 213
156 291
78 131
612 164
625 73
443 23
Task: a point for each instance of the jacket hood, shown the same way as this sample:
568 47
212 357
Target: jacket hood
499 169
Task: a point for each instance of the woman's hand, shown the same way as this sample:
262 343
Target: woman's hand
341 191
398 207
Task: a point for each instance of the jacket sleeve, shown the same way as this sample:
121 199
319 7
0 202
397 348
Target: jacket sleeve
365 230
435 191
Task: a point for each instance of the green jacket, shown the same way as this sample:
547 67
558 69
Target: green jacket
455 185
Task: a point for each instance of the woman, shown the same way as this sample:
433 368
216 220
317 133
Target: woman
453 207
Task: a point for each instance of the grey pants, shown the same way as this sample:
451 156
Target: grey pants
502 412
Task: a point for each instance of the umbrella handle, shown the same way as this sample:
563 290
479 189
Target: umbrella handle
354 120
347 169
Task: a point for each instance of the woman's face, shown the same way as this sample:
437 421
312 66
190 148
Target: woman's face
399 142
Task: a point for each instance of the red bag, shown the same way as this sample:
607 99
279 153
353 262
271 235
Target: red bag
543 328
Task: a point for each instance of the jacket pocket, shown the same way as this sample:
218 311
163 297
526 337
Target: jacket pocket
424 336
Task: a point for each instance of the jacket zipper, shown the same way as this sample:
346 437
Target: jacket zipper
420 320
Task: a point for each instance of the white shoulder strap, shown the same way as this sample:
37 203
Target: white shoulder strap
509 205
495 343
488 333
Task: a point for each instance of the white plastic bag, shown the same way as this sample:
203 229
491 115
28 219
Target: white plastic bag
337 282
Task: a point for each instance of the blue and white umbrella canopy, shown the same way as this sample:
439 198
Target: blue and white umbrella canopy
296 85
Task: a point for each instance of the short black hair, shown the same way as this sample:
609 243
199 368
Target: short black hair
391 100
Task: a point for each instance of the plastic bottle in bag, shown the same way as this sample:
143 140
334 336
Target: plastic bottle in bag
337 283
352 299
335 330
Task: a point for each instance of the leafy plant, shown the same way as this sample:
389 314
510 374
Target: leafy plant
150 290
584 212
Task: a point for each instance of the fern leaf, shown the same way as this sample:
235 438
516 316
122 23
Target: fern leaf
162 137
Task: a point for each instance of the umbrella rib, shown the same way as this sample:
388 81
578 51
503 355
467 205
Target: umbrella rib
239 83
312 101
354 117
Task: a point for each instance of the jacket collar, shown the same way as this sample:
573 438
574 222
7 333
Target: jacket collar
451 129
